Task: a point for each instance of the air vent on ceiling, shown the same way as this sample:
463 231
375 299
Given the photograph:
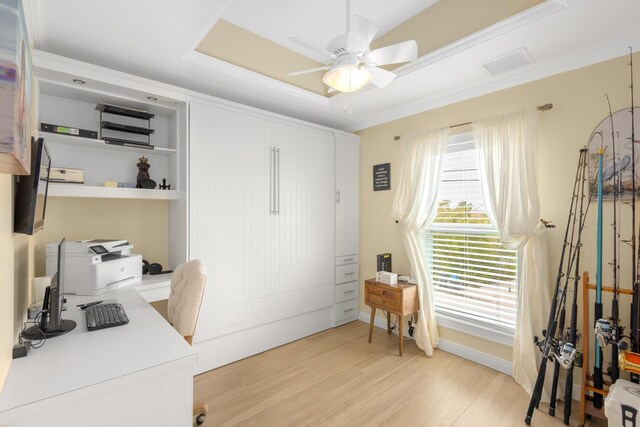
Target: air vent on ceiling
509 61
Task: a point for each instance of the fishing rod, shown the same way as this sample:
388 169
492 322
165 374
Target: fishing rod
615 372
598 381
572 335
549 343
635 304
563 312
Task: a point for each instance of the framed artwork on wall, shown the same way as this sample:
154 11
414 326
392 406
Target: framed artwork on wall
16 91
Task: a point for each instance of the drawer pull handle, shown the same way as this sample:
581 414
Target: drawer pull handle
349 292
349 274
346 311
348 259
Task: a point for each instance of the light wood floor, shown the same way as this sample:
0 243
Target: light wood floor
335 378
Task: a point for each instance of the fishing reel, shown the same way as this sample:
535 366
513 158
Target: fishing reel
566 355
605 332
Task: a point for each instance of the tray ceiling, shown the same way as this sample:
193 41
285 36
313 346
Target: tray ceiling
243 38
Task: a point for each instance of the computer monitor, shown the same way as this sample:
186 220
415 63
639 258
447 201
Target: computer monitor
51 322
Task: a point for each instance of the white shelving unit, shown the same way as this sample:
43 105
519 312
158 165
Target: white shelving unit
61 103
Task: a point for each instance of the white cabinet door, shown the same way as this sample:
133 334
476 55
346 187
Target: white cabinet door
261 220
347 195
230 221
305 208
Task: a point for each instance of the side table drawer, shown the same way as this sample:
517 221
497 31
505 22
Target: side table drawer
346 291
346 310
382 298
346 273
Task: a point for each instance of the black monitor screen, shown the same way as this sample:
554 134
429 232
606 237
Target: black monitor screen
51 322
31 191
57 290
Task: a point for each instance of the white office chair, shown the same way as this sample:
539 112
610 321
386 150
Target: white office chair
187 288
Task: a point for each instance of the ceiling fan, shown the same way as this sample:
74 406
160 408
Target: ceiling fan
349 62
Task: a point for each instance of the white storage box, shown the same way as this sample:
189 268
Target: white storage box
622 403
386 277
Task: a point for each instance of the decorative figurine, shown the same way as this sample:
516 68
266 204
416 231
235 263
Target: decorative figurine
164 185
143 170
143 180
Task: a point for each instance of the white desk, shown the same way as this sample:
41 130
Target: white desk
154 288
137 374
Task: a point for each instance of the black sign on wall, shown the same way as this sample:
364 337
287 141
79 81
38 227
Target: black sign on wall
382 177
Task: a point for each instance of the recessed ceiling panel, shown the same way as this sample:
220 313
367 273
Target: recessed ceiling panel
240 47
450 20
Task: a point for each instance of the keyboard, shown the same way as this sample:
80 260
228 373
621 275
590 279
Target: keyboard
105 316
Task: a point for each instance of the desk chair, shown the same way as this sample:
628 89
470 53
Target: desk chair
183 307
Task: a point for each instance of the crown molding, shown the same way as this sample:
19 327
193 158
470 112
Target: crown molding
567 64
253 77
506 25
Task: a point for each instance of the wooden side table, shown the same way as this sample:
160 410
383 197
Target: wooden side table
400 299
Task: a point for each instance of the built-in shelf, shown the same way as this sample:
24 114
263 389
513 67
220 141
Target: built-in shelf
101 144
79 190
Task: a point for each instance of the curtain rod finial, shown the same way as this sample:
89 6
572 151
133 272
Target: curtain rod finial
545 107
395 138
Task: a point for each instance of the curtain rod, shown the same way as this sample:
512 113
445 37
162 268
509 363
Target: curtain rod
544 107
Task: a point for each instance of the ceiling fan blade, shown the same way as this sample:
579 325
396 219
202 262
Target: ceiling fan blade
328 56
360 34
381 77
310 70
401 52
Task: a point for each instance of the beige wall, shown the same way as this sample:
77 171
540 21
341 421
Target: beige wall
6 275
579 105
141 222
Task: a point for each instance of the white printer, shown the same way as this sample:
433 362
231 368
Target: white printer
92 267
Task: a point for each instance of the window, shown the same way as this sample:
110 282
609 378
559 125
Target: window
474 276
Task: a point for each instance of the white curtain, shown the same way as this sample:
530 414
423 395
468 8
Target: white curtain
415 207
508 153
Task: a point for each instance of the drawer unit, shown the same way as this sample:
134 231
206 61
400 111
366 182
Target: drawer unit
347 259
346 291
346 311
346 273
383 298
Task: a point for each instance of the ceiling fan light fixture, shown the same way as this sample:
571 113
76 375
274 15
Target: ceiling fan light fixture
347 78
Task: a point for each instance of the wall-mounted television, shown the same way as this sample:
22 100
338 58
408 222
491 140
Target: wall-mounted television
31 191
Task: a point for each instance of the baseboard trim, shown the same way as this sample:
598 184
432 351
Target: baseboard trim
479 357
476 356
459 350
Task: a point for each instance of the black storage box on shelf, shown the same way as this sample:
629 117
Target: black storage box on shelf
125 128
68 130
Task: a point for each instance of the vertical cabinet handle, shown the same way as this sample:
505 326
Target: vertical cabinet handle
277 209
272 181
338 197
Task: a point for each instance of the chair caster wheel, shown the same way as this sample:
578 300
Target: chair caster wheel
200 419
